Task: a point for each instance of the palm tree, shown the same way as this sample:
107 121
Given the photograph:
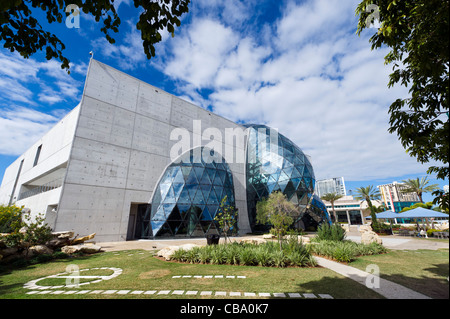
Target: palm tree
419 186
367 194
332 197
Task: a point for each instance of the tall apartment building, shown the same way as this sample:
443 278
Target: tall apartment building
394 198
331 185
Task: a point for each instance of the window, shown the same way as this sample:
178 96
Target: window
38 152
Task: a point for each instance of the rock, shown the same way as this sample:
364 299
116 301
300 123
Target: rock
364 228
8 251
37 250
70 249
268 236
88 249
304 240
167 252
63 234
58 242
80 240
368 237
256 241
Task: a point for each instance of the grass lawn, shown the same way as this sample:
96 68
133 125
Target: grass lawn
142 271
425 271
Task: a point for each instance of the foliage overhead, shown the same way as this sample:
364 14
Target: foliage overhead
21 31
417 33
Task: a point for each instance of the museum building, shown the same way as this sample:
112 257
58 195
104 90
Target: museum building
134 162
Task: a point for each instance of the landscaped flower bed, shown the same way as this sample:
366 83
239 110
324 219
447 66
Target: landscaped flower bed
266 254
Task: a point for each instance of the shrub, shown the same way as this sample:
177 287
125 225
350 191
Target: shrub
330 232
346 251
10 218
267 254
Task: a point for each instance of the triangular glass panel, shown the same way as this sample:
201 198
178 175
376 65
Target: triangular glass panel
217 180
212 209
177 188
168 209
197 231
297 172
205 226
192 189
198 199
170 197
179 177
307 182
295 182
283 184
205 214
163 188
186 170
192 178
219 193
205 179
156 225
183 209
213 198
271 187
211 173
198 172
213 229
184 196
306 173
288 171
164 230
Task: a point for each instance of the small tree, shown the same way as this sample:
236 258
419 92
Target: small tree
30 233
276 210
226 217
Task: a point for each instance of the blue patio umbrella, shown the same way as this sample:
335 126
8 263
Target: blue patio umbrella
421 212
385 215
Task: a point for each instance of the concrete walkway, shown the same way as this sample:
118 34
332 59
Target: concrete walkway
386 288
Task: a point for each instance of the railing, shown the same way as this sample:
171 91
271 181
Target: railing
41 189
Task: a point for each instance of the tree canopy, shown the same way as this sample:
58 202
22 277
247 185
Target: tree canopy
22 32
417 33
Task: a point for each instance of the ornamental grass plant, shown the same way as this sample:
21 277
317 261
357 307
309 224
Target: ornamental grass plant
268 254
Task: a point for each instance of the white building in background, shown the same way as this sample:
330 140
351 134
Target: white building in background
331 185
351 211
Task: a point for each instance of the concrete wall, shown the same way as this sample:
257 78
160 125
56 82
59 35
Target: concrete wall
120 149
54 154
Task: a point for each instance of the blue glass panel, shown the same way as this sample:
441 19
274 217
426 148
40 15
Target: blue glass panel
170 197
177 188
184 197
205 214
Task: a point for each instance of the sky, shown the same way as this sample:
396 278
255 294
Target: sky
297 66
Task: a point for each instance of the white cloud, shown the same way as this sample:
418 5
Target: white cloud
317 82
198 55
20 127
28 89
129 55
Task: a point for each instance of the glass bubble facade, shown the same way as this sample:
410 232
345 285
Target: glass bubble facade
188 196
315 214
275 163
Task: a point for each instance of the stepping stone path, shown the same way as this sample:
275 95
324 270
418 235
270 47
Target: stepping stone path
182 293
84 274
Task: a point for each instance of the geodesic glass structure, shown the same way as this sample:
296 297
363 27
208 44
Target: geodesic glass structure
275 163
188 196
